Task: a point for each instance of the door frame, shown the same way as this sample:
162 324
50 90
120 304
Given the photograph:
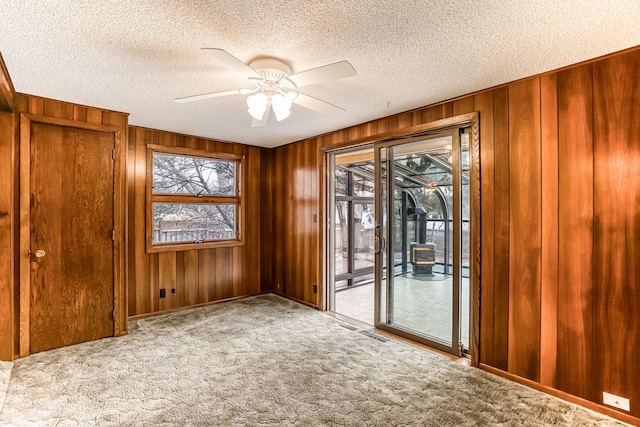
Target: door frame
471 120
119 223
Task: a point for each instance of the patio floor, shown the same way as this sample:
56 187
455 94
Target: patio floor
424 306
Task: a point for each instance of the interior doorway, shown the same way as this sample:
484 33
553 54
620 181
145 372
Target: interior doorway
408 267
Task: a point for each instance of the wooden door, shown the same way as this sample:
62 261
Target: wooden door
71 236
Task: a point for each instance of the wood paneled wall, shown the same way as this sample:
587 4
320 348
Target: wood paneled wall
560 221
202 275
9 213
291 226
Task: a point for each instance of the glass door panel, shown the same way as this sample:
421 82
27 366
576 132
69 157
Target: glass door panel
418 251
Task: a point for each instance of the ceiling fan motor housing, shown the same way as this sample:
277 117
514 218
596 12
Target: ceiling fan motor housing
272 70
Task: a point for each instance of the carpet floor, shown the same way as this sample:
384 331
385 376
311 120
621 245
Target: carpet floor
264 361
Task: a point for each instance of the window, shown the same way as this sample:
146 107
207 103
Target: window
194 199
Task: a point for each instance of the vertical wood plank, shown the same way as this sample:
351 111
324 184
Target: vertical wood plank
431 114
131 222
79 113
167 279
7 217
94 116
575 262
191 277
58 109
447 110
484 105
549 264
404 120
252 253
239 284
229 276
463 105
501 229
138 258
266 218
180 273
525 227
154 283
279 220
205 275
306 221
36 105
218 291
617 227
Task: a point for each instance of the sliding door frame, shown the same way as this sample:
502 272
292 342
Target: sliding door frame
469 120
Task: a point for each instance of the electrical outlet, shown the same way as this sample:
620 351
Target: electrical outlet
616 401
315 288
163 293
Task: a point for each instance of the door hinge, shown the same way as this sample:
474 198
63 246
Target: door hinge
113 154
113 235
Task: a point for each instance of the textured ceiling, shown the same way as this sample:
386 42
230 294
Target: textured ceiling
137 56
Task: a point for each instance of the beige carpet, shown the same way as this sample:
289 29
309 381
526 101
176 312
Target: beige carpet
264 361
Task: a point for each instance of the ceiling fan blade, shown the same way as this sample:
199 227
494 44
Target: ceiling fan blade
315 104
265 118
338 70
233 62
208 95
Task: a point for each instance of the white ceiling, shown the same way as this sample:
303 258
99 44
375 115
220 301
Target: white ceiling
137 56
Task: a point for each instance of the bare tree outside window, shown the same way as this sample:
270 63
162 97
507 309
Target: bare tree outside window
174 174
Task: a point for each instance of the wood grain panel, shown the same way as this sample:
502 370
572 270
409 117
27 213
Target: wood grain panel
138 257
205 274
525 229
219 290
431 114
484 105
404 121
180 290
549 260
167 279
58 109
616 88
575 256
249 276
191 278
463 105
267 218
154 283
7 194
447 109
501 229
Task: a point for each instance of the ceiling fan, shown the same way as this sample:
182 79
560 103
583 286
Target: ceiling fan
275 87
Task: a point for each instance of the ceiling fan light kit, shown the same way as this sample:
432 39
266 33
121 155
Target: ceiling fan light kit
276 88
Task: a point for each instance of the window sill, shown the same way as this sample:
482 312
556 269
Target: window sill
178 247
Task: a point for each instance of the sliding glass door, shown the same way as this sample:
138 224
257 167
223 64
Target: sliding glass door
422 239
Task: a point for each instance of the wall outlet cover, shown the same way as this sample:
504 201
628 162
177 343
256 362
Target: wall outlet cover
616 401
